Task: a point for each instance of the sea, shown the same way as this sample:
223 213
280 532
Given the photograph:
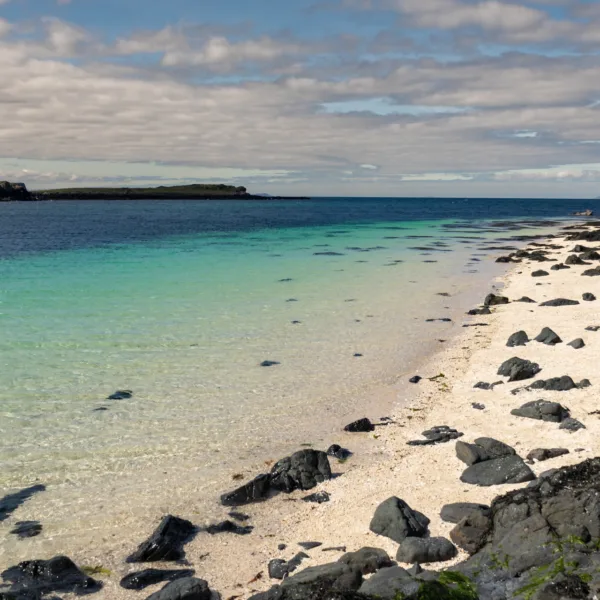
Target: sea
180 302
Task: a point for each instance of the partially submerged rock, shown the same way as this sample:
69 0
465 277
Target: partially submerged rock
396 520
167 541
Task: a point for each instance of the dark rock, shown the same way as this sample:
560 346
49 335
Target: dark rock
339 452
519 338
455 513
188 588
269 363
476 325
584 383
27 529
360 426
548 337
418 550
167 541
572 425
471 532
396 520
318 498
540 273
592 328
575 260
590 255
577 343
483 449
238 516
526 299
11 502
592 272
482 385
415 379
478 406
280 569
503 259
443 320
542 410
555 384
493 300
253 491
228 527
480 311
390 584
11 192
588 297
302 470
560 302
121 395
437 435
367 560
559 267
517 369
579 248
542 454
59 574
143 579
498 471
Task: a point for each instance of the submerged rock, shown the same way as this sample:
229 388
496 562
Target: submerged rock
147 577
27 529
121 395
396 520
11 502
167 541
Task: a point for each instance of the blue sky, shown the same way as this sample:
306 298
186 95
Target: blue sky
320 97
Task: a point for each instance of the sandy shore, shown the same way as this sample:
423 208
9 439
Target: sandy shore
425 477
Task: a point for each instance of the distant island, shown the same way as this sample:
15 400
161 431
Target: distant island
11 192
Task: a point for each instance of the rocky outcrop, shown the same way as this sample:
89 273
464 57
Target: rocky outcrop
11 192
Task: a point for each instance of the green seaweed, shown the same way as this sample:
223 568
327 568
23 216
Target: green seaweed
96 570
450 585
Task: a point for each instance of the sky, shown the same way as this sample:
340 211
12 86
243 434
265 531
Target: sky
464 98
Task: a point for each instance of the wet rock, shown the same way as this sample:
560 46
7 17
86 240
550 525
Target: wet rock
548 337
429 550
167 541
253 491
318 498
493 300
121 395
572 425
188 588
542 454
577 343
456 512
480 311
560 302
542 410
519 338
575 260
302 470
437 435
517 369
143 579
360 426
588 297
415 379
27 529
559 267
367 560
526 299
592 272
59 574
11 502
280 569
269 363
540 273
338 452
396 520
498 471
228 527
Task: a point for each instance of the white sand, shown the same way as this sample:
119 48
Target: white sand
425 477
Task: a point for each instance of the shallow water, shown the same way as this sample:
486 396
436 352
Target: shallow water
180 303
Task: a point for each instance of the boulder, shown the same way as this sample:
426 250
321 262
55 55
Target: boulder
302 470
360 426
493 300
390 584
588 297
559 267
498 471
471 531
592 272
554 384
540 273
519 338
367 560
167 541
548 337
188 588
560 302
577 343
396 520
147 577
280 569
526 299
429 550
517 369
456 512
572 425
483 449
542 410
253 491
590 255
573 259
542 454
338 452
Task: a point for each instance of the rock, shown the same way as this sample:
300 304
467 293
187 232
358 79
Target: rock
478 406
526 299
367 560
542 410
548 337
437 435
493 300
480 311
59 574
392 583
188 588
560 302
555 384
339 452
415 379
559 267
584 383
396 520
27 529
592 328
280 569
588 297
503 259
572 425
417 550
577 343
362 425
519 338
228 527
482 385
318 498
301 471
542 454
469 453
121 395
11 192
310 545
578 248
575 260
590 255
11 502
540 273
583 213
143 579
517 369
167 541
471 532
592 272
498 471
456 512
483 449
253 491
269 363
238 516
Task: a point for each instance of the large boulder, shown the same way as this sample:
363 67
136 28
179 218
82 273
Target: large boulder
517 369
300 471
367 560
520 338
396 520
542 410
429 550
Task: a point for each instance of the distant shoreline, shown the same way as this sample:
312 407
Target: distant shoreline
85 197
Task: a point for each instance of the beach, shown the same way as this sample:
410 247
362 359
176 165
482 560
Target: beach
382 464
